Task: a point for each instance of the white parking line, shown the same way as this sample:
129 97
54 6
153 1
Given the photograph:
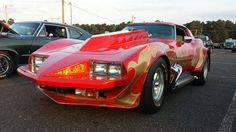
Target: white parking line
225 63
228 120
218 53
222 76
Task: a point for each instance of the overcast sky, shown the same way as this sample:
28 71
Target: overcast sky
117 11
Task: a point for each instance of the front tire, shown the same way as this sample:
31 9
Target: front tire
154 89
6 65
203 75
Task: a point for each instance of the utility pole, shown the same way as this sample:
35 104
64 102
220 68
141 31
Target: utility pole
6 14
63 12
70 13
133 17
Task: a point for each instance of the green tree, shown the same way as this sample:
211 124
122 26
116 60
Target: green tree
195 26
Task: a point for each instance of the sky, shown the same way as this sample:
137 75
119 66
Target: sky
117 11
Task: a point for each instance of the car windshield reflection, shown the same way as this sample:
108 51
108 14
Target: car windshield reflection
26 29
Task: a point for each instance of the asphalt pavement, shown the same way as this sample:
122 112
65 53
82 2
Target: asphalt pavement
208 108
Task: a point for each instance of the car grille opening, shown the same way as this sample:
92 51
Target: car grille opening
91 93
61 90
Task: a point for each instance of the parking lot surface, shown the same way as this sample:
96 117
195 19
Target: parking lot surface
192 108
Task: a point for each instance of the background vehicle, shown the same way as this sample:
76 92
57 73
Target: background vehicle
126 69
206 41
216 45
229 43
233 46
18 41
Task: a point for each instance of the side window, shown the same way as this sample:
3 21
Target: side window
43 32
74 34
55 31
180 33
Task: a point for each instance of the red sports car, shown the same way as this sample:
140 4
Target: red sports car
126 69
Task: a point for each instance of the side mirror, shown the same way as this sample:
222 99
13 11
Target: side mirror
187 39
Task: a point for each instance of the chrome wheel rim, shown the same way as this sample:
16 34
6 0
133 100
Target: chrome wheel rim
158 86
205 73
4 64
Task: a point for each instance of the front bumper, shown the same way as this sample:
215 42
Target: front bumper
73 82
118 93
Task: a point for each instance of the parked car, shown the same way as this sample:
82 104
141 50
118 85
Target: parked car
206 41
228 45
216 45
126 69
233 47
222 44
21 39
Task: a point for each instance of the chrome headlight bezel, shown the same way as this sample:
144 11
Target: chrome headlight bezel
36 62
106 68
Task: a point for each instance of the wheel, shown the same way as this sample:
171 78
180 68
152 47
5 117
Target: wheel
6 65
203 75
154 89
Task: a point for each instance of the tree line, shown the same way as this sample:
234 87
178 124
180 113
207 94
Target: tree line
217 31
102 28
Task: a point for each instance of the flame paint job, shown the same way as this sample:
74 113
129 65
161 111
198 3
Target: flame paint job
133 49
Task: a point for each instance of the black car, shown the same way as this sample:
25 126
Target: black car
19 40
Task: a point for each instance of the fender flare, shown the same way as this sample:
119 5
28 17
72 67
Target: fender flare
12 52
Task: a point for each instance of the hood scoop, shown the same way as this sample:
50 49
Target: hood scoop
115 40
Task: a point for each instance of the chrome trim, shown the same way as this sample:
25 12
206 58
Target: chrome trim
25 55
40 30
67 32
178 70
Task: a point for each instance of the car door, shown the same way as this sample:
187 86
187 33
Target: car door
47 34
185 50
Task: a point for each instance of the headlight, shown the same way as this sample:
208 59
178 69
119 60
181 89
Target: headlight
36 62
114 69
103 68
100 68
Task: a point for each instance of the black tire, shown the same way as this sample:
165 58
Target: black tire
6 65
203 75
147 102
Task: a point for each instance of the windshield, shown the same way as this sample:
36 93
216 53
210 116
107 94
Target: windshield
25 28
155 31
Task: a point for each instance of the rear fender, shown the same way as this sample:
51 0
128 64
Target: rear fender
14 54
